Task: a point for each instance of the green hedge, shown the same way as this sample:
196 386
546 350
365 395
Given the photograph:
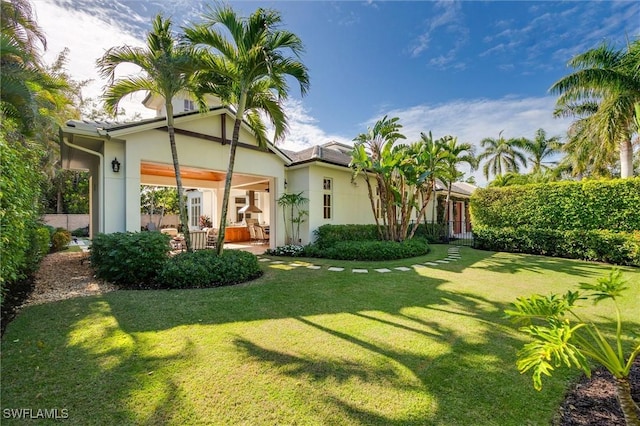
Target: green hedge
370 250
617 247
204 268
593 204
129 259
328 235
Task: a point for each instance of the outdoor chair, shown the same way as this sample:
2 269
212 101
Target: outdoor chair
212 238
253 238
261 237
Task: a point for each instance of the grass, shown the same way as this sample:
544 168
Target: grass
313 347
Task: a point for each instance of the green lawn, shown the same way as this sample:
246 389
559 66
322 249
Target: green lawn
301 347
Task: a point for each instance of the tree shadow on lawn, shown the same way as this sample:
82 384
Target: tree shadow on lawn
511 263
470 370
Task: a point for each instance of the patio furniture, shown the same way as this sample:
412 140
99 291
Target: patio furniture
212 238
261 237
252 233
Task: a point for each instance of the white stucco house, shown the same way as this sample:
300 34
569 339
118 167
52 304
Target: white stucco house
120 157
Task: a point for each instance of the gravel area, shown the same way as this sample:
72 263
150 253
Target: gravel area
63 276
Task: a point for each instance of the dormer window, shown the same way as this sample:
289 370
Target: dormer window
189 105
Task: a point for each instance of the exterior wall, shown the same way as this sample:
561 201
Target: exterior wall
69 222
350 201
298 181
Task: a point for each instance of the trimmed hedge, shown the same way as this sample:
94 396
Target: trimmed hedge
129 259
617 247
370 250
593 204
204 268
329 235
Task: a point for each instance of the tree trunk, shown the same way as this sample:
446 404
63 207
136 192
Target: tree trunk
626 159
176 167
227 181
629 408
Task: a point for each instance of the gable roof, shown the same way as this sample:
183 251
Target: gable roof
117 129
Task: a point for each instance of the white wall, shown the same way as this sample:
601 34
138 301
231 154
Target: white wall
350 202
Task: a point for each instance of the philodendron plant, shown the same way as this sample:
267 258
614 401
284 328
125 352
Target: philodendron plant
562 337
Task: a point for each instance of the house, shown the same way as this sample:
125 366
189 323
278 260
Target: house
120 157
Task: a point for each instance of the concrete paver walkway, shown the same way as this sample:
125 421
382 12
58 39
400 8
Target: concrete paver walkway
453 255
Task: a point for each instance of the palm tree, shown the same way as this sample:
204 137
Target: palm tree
604 92
455 154
22 70
167 70
249 70
372 153
502 155
541 149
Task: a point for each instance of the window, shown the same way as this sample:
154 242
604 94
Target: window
327 184
188 105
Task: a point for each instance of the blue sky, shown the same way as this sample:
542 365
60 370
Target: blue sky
469 69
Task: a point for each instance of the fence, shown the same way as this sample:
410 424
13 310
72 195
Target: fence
452 232
69 222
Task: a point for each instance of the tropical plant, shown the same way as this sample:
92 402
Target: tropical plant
292 210
372 154
541 149
602 93
167 69
455 154
562 337
502 155
247 62
403 176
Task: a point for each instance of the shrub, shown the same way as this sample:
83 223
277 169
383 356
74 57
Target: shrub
80 232
370 250
621 248
131 260
328 235
204 268
288 250
60 239
594 204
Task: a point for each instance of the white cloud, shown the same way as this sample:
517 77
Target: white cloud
304 130
476 119
88 37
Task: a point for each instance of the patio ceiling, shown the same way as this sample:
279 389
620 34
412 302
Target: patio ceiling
192 177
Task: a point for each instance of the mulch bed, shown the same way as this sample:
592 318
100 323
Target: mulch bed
62 276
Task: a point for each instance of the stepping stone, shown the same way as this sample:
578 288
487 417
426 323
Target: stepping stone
295 265
382 270
431 263
418 266
276 262
442 261
264 260
336 269
402 268
360 271
451 259
313 267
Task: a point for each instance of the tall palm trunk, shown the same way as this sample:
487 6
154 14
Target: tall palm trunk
232 160
176 167
626 159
